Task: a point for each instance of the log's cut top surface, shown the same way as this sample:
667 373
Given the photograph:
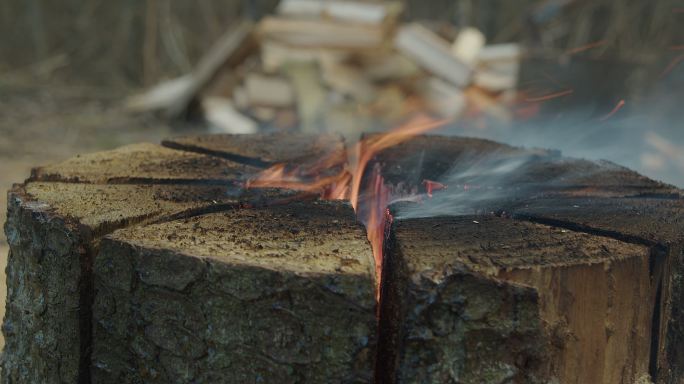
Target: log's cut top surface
300 237
491 244
642 220
262 149
484 163
146 163
104 207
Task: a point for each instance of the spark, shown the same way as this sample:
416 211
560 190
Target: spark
586 47
549 96
617 107
672 65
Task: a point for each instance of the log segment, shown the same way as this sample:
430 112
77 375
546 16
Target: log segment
485 165
597 198
55 222
283 294
490 300
654 222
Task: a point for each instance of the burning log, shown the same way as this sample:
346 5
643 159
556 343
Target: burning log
284 293
160 263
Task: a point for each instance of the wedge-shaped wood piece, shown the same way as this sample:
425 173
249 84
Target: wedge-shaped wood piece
656 222
277 295
264 149
53 231
144 163
432 53
485 167
479 299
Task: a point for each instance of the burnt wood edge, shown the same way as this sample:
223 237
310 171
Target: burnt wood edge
90 241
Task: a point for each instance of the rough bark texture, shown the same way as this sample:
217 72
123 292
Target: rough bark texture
55 221
586 296
277 295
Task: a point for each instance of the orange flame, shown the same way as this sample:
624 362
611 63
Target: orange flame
369 204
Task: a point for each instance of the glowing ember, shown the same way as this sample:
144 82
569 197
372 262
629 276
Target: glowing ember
550 96
673 64
617 107
432 186
369 198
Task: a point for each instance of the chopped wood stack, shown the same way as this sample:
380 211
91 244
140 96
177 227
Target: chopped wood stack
342 66
152 264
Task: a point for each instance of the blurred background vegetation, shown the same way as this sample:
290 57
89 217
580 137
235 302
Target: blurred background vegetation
133 43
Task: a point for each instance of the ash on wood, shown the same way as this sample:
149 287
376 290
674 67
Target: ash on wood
280 295
486 299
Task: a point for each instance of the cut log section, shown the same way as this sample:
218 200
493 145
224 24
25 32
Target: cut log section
54 227
278 295
458 284
487 165
655 222
52 230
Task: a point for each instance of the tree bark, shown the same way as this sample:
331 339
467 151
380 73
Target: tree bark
280 295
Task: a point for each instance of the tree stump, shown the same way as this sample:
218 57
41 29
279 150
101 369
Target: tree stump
153 264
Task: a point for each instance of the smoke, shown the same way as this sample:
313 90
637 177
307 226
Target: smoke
646 132
473 184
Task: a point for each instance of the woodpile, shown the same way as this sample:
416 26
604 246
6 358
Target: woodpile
154 264
340 66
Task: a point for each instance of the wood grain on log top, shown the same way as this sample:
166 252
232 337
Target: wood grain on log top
262 149
285 293
534 171
144 163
